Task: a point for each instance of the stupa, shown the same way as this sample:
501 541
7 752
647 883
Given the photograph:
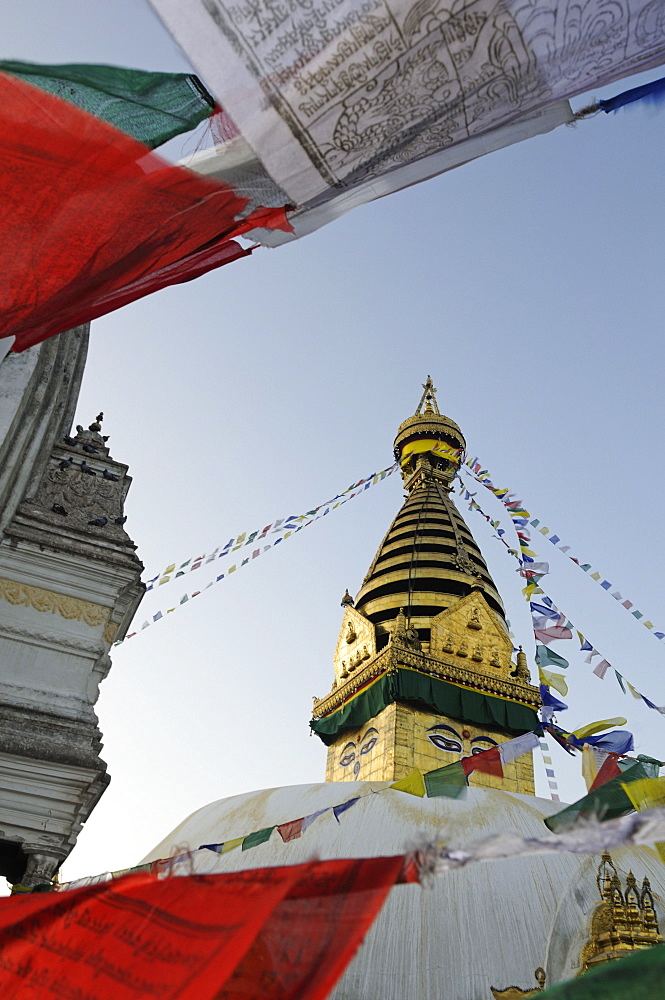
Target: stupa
424 675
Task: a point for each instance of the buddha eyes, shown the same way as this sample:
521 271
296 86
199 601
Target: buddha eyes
490 743
347 757
366 747
445 742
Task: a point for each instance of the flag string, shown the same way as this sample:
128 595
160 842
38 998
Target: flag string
480 475
286 528
549 623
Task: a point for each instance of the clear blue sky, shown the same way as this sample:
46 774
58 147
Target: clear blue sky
528 284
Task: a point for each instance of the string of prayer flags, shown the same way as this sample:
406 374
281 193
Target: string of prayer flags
549 771
296 524
150 107
125 218
607 802
480 475
544 635
284 527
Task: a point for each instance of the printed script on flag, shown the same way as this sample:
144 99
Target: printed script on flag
333 93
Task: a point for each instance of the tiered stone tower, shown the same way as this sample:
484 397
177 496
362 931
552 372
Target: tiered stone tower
424 672
69 587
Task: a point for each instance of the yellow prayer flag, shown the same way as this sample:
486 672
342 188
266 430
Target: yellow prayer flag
635 693
660 847
589 766
595 576
648 624
169 569
544 531
230 845
414 783
232 569
557 681
164 579
645 793
597 727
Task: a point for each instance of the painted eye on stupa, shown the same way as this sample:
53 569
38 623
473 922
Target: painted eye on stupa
370 743
348 755
444 743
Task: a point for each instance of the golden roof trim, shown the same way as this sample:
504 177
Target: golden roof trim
393 657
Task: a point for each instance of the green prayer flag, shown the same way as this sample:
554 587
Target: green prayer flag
449 781
607 802
151 107
547 658
259 837
638 976
620 681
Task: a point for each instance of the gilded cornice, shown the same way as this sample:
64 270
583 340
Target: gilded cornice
70 608
395 656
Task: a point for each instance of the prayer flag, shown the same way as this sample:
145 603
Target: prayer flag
601 669
199 937
413 783
259 837
606 772
618 741
308 820
449 781
606 802
550 701
548 635
557 681
597 727
512 749
338 810
546 657
487 761
291 831
230 845
620 681
647 793
125 218
151 107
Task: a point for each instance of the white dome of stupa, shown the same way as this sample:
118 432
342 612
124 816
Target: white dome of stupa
482 926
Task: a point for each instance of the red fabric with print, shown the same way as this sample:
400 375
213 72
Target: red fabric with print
262 934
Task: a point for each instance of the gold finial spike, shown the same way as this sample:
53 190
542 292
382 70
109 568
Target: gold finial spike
347 600
96 425
428 398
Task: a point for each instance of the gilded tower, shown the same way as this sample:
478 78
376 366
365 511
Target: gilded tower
424 669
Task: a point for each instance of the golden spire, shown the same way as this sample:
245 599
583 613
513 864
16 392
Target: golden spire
428 398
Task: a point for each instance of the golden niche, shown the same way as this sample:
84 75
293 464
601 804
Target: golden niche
624 921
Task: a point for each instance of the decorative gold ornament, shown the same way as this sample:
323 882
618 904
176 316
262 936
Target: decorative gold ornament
70 608
514 992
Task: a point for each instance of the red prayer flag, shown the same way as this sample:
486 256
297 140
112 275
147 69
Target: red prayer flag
92 219
609 769
487 761
268 934
546 635
291 831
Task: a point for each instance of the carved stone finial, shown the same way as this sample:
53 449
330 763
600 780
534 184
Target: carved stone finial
347 600
96 425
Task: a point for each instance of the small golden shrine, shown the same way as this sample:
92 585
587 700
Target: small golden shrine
624 921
